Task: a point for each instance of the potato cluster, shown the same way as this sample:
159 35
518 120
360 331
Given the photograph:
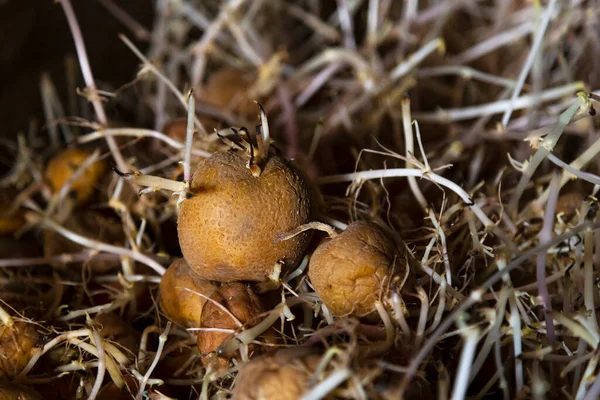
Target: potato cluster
236 207
245 216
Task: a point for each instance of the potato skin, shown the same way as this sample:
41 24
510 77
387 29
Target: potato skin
12 391
62 166
280 376
241 301
227 229
228 88
179 305
17 344
348 270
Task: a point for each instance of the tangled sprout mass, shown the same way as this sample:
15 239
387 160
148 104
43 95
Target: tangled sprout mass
350 199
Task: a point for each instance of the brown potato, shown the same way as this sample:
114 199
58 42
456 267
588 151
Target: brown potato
228 88
347 271
17 344
176 129
63 165
179 305
14 391
228 227
283 375
242 303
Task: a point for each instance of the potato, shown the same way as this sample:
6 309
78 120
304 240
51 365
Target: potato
14 391
227 229
242 303
17 344
280 376
90 224
63 165
179 305
348 271
228 88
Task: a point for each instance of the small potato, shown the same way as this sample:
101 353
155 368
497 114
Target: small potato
63 165
348 271
228 88
239 299
14 391
227 229
280 376
17 344
178 304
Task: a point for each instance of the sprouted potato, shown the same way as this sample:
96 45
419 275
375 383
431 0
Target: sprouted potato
183 293
17 344
348 271
230 307
227 227
62 167
283 375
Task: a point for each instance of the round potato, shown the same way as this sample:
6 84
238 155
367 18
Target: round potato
283 375
348 271
227 229
18 343
176 299
62 167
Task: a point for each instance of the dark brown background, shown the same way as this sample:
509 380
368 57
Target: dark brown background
35 37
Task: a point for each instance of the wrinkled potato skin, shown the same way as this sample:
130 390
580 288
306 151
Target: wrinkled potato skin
281 376
17 344
14 391
63 166
179 305
242 303
347 271
227 229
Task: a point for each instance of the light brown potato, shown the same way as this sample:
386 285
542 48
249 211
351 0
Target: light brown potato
227 229
283 375
14 391
241 301
63 165
179 305
228 88
348 271
17 344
